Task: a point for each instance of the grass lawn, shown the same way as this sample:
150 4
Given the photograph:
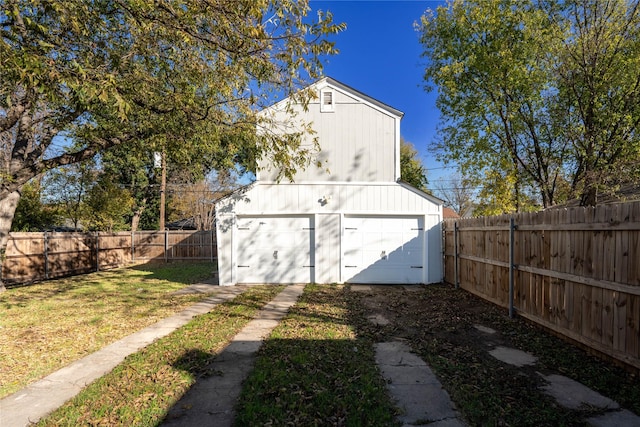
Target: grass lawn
315 370
317 367
45 326
141 390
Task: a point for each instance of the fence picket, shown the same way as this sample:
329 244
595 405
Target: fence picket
33 257
576 271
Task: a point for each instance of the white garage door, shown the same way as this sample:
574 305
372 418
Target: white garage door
275 249
383 249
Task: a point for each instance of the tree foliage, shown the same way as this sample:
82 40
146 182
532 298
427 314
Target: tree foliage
176 74
540 92
132 167
107 206
412 170
599 89
67 187
32 214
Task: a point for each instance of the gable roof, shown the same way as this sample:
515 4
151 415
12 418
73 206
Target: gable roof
356 93
449 213
349 91
430 197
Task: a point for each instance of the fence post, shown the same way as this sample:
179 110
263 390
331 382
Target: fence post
455 255
512 228
133 246
46 255
97 251
166 245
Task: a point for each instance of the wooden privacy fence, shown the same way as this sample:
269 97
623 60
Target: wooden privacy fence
575 271
33 257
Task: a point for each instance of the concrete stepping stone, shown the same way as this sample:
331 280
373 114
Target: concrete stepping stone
378 319
415 388
361 288
572 394
513 356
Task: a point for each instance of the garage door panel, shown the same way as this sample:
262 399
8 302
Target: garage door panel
371 239
275 250
383 249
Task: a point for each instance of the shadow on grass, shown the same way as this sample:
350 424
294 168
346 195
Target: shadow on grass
312 371
179 272
285 382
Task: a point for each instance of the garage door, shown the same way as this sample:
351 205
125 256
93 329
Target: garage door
383 249
275 249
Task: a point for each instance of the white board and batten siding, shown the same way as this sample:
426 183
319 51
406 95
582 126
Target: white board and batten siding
378 198
329 233
355 140
348 221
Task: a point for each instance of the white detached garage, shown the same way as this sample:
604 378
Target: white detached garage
357 224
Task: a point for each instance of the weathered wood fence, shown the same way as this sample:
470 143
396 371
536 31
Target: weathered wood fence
575 271
32 257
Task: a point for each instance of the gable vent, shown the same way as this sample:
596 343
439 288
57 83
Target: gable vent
327 101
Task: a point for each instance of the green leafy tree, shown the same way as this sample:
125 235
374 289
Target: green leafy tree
174 74
599 91
132 167
67 188
32 214
489 61
497 196
527 88
107 206
411 169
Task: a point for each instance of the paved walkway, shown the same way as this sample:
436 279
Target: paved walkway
210 401
422 400
567 392
415 388
46 395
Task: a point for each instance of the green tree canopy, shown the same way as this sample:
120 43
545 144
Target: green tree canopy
107 206
176 74
541 92
412 170
32 214
67 187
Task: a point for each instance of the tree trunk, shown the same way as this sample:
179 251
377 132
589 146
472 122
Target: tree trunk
8 207
589 196
135 219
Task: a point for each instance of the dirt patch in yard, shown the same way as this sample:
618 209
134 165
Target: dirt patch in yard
455 331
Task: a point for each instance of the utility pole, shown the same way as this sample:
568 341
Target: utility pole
163 187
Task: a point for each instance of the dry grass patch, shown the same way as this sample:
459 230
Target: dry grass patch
46 326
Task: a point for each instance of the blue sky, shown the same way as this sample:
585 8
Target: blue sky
380 56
